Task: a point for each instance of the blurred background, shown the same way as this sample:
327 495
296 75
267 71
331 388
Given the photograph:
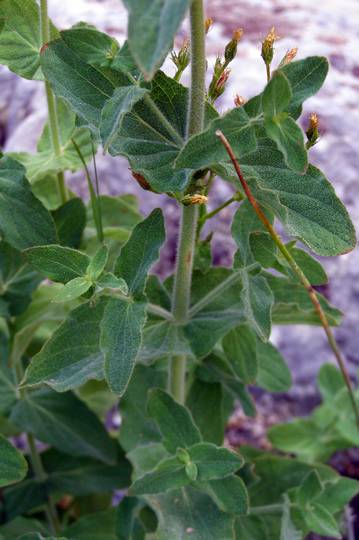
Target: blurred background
329 28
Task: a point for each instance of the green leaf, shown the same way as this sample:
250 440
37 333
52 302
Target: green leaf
70 221
137 428
169 474
82 86
258 300
73 289
320 521
97 263
151 30
24 221
305 77
240 348
121 103
206 149
313 270
46 161
174 421
14 528
58 263
121 331
279 126
17 280
127 522
287 530
310 488
20 37
110 281
140 252
72 355
95 47
305 204
293 305
190 515
65 422
13 465
273 372
214 462
230 494
330 381
205 400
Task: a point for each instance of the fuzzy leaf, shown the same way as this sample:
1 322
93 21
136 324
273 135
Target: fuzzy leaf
72 290
151 30
97 48
20 37
305 77
214 462
240 347
121 103
229 494
24 221
72 355
206 149
65 422
121 334
70 221
322 522
290 141
306 204
258 301
273 372
175 422
140 252
310 489
98 263
169 474
58 263
13 466
205 400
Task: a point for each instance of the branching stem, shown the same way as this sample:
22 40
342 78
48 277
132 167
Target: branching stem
189 219
298 271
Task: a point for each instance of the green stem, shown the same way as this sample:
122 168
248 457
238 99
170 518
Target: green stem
189 219
51 105
298 271
216 211
268 509
268 72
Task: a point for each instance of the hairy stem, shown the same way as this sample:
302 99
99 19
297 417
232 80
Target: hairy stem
51 105
298 271
189 219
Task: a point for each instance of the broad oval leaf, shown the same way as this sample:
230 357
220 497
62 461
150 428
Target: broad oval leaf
151 30
58 263
24 221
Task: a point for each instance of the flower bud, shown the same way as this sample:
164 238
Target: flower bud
288 57
196 198
218 86
181 59
313 130
231 48
268 46
239 101
208 24
191 471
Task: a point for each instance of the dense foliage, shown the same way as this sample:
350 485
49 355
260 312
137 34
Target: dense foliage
84 325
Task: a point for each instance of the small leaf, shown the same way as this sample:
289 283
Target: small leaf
175 422
206 149
330 381
230 494
24 221
58 263
273 372
151 30
13 466
305 77
191 471
121 103
205 400
72 355
310 489
121 333
213 461
20 37
110 281
320 521
140 252
97 263
169 474
287 530
72 290
240 347
65 422
258 301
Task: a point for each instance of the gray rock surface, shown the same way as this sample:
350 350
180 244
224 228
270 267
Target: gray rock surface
329 28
